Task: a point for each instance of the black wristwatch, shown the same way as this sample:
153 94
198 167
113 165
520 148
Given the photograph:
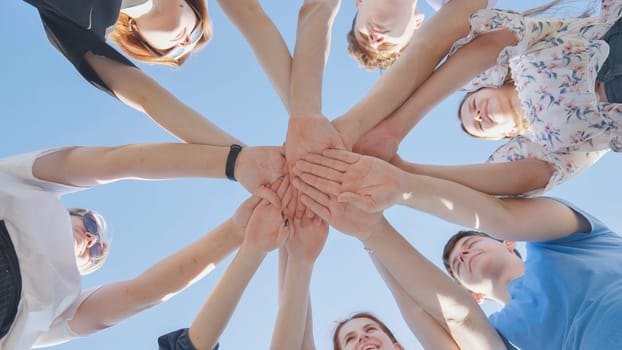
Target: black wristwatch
234 150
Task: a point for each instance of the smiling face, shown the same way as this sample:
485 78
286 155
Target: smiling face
492 113
364 334
478 261
170 25
385 26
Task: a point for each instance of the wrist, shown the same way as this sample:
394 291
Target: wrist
370 240
252 250
231 165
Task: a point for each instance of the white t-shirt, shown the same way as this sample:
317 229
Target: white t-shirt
41 232
437 4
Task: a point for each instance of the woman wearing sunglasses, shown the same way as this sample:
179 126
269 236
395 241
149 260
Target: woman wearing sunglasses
159 32
41 301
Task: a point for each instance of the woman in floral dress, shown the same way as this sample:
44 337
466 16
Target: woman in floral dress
556 114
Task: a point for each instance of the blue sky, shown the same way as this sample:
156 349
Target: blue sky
47 104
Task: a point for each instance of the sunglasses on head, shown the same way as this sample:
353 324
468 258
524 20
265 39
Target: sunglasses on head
91 226
178 51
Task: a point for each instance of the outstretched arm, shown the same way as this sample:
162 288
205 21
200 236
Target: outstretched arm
293 325
90 166
425 327
472 59
426 49
509 178
139 91
265 40
452 308
374 185
264 233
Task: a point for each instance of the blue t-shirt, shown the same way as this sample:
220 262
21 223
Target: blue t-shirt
571 294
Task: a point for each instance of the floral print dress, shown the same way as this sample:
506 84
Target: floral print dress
554 66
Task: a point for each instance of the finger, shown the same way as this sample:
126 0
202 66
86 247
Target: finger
317 220
326 161
282 235
326 172
312 192
269 195
341 155
309 214
362 202
280 191
317 208
324 185
251 202
300 208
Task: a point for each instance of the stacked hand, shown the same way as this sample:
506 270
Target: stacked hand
368 183
309 134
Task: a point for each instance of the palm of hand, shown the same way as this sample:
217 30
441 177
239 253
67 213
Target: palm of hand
310 135
373 179
350 219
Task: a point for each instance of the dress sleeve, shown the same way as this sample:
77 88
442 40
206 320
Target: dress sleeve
532 33
20 167
612 113
74 42
566 165
60 332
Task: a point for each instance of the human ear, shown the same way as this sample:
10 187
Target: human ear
479 297
398 346
90 240
357 3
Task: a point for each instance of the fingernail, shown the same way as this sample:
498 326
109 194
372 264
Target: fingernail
282 215
281 177
286 223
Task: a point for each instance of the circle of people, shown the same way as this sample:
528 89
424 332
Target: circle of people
551 86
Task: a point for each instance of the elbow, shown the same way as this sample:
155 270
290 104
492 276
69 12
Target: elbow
537 176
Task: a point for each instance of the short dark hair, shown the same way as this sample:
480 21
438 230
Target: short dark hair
451 244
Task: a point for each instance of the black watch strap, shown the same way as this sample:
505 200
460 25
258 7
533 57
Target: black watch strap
234 150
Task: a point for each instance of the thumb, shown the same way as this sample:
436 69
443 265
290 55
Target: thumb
268 194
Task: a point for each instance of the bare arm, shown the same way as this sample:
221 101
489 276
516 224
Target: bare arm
510 178
308 343
452 308
265 40
115 302
472 59
89 166
373 185
293 325
426 49
313 36
139 91
427 329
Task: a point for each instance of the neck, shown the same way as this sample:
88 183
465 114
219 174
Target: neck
500 286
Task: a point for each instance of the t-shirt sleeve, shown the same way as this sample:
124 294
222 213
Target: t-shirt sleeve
60 332
177 340
74 42
597 227
20 167
566 165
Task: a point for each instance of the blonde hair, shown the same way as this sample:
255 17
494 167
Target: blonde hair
366 58
94 263
129 40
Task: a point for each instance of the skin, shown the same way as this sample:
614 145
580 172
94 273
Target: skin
492 113
82 239
167 24
386 26
486 267
364 333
